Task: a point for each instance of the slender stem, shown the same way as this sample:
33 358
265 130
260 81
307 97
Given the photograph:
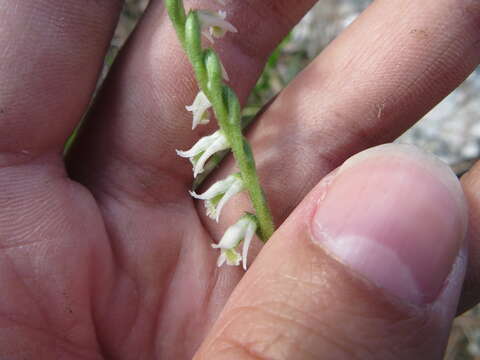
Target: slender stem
225 104
246 163
176 12
259 202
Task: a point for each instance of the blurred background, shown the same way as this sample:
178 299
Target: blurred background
450 131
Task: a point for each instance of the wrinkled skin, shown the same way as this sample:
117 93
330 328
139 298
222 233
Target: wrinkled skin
112 258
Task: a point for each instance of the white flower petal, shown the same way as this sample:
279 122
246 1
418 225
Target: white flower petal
199 108
234 189
221 259
199 121
200 146
249 233
220 144
215 23
233 235
220 187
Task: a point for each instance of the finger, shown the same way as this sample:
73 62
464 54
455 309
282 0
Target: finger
369 266
140 119
52 52
373 82
471 289
50 229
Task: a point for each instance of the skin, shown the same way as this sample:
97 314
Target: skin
105 255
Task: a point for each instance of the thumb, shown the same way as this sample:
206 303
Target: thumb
369 266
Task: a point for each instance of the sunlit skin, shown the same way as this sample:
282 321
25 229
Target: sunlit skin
105 254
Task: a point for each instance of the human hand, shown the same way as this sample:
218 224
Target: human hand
114 260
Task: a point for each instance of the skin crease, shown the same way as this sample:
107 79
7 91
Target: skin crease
111 258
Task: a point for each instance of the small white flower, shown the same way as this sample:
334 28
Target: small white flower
214 25
199 108
204 149
219 193
243 230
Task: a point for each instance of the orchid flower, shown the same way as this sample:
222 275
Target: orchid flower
242 231
199 108
214 25
219 193
204 149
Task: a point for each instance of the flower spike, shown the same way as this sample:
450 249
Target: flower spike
214 24
204 149
219 193
216 99
243 230
200 108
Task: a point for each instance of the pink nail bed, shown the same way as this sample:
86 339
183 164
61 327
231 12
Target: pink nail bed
397 218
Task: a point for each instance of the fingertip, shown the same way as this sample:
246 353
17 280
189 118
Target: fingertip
420 158
397 216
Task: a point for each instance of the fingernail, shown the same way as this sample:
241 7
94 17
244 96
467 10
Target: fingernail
395 216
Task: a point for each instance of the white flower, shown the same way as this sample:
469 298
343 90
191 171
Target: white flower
243 230
199 108
204 149
214 25
219 193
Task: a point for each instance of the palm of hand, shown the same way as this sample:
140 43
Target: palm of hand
123 282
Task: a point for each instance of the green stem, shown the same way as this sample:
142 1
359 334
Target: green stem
176 12
246 163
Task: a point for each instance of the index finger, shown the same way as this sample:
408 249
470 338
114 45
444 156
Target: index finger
52 52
